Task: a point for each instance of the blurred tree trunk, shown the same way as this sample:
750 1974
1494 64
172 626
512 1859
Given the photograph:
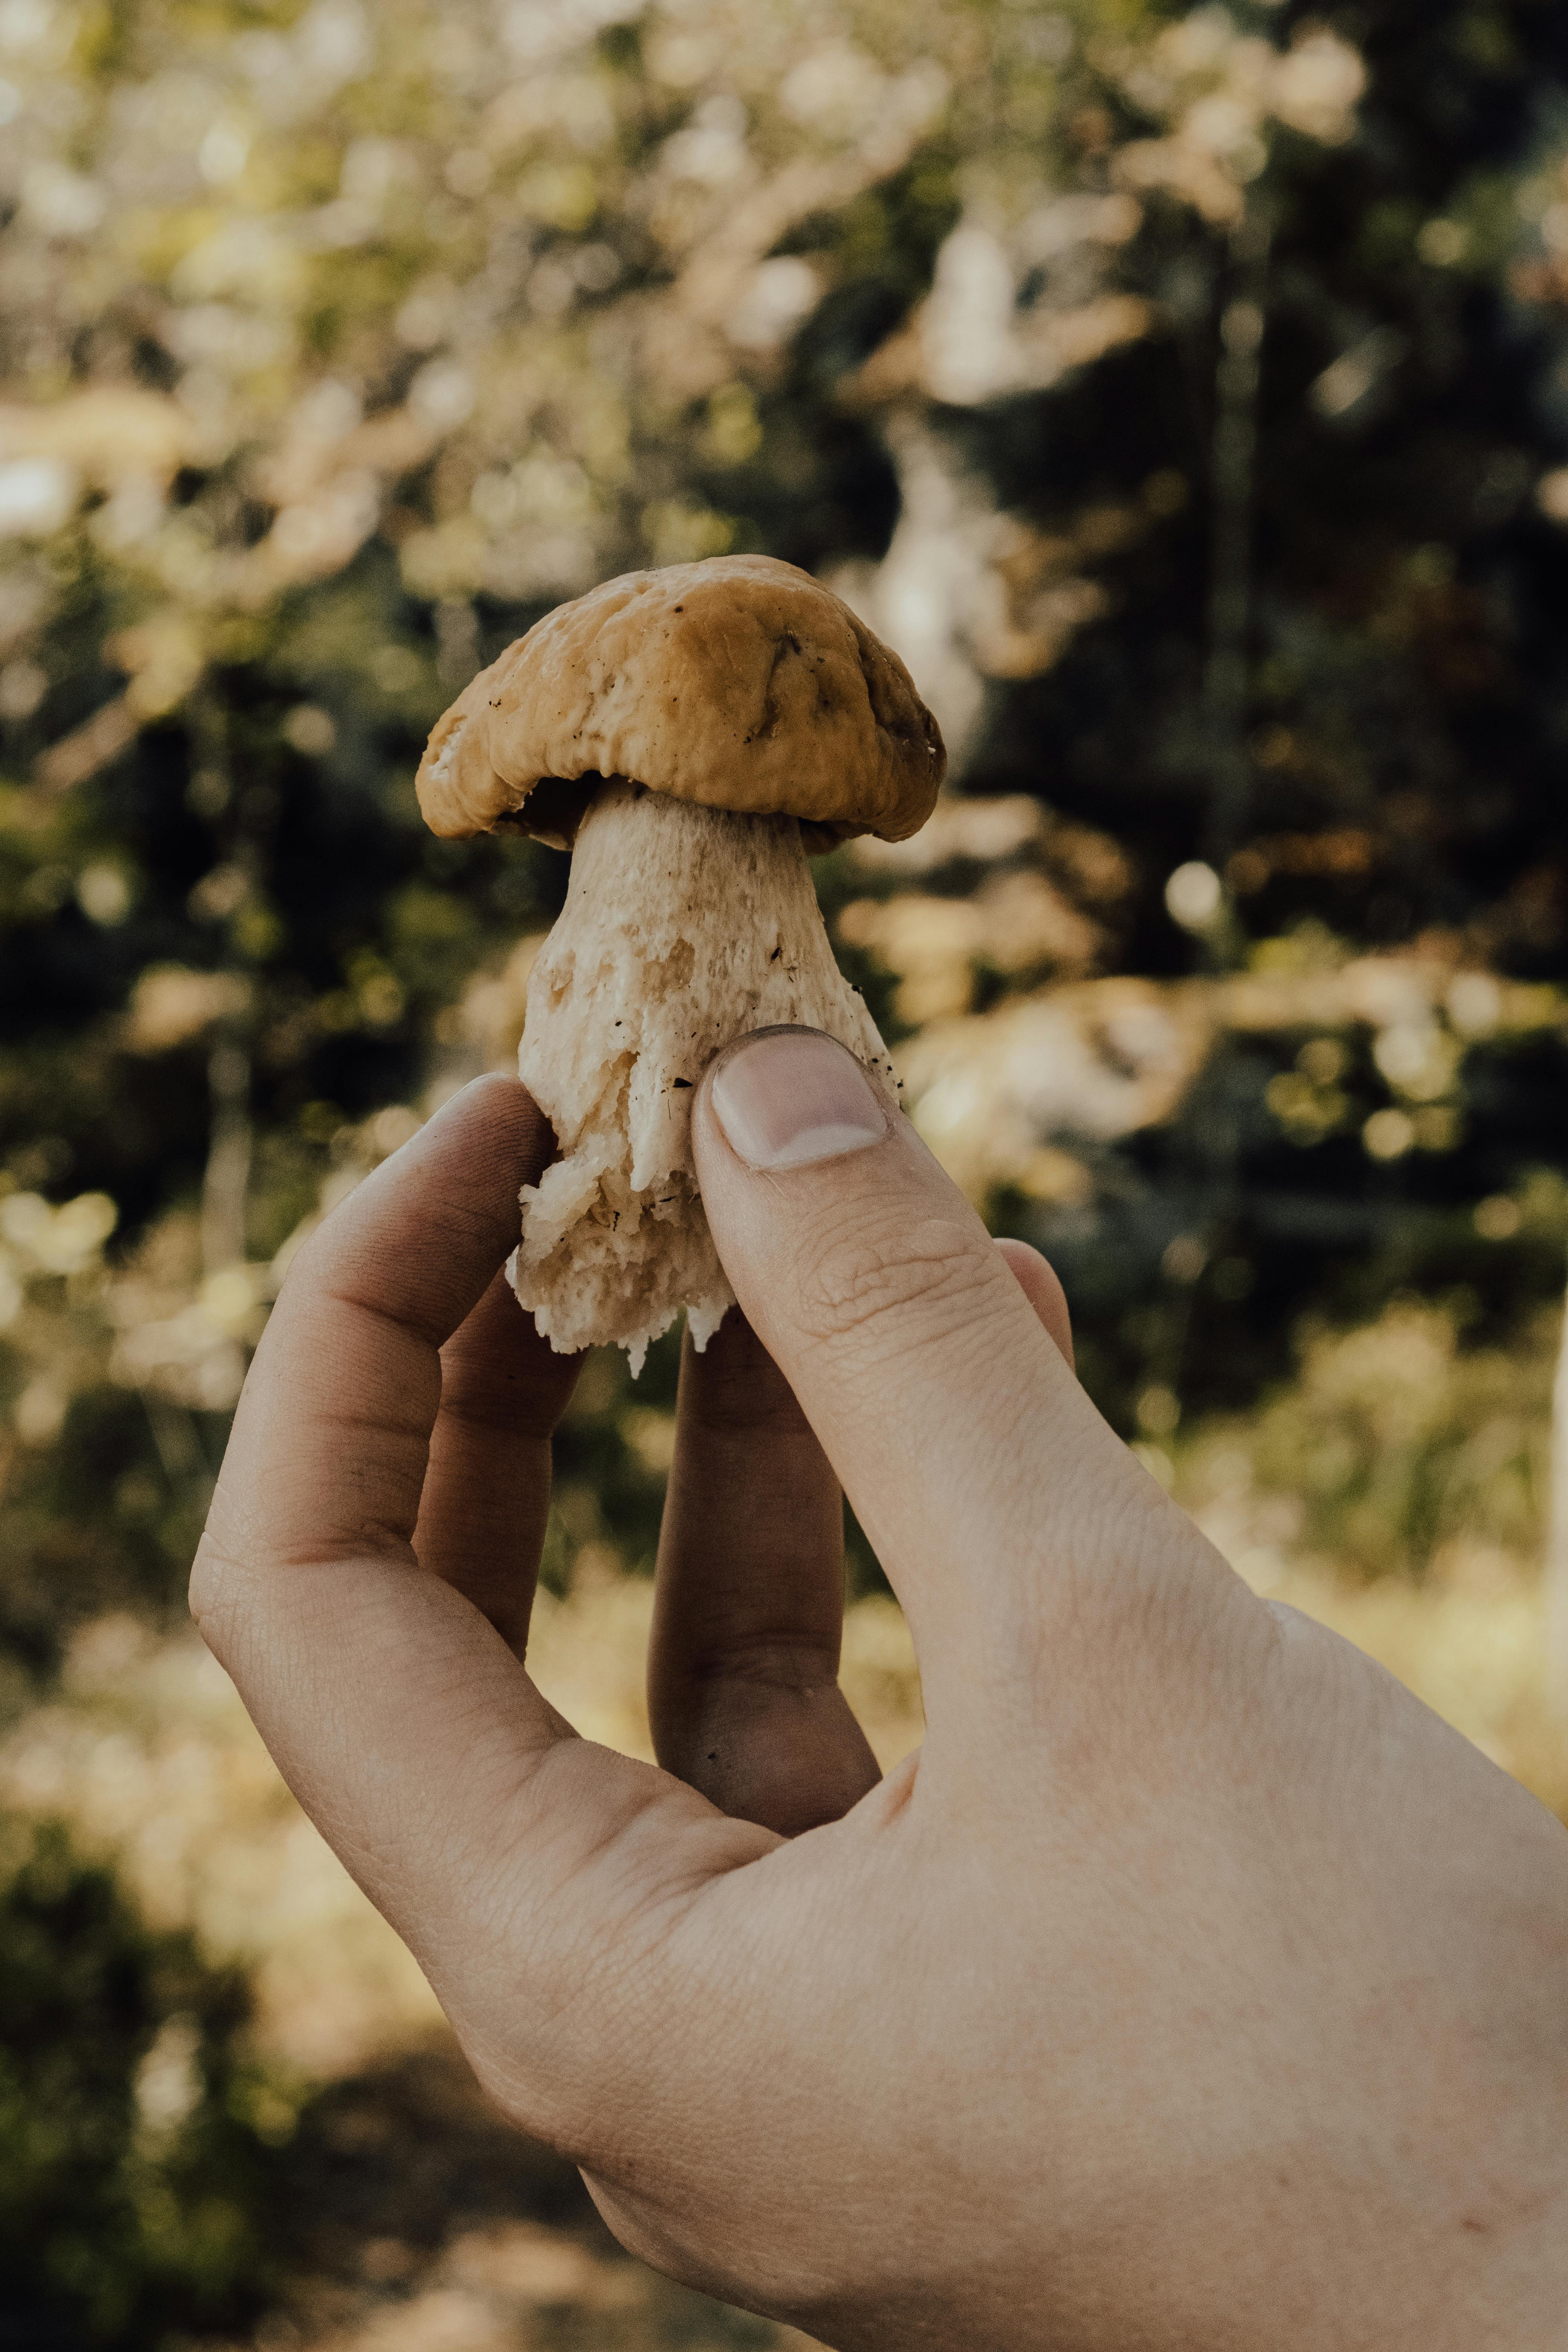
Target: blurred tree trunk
1557 1542
226 1181
1212 1117
1233 464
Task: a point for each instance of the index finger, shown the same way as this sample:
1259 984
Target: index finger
476 1821
306 1571
333 1434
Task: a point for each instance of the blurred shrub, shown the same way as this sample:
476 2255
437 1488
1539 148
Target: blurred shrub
1394 1440
105 1446
135 2142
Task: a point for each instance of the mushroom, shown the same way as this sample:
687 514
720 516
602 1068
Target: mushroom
691 734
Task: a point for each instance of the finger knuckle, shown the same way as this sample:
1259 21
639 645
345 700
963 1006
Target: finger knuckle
929 1278
213 1597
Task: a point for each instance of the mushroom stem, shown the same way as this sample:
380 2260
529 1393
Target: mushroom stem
684 926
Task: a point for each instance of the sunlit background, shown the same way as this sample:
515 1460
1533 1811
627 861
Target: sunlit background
1185 396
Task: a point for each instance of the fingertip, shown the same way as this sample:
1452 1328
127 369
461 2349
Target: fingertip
1041 1286
500 1105
786 1097
437 1217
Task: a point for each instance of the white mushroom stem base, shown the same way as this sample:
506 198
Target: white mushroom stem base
683 927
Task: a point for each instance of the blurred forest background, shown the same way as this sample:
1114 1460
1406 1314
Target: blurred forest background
1185 395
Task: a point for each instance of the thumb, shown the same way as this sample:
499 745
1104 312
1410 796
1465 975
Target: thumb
1036 1277
969 1451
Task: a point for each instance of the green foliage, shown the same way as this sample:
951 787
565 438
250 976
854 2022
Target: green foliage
342 343
1395 1442
136 2143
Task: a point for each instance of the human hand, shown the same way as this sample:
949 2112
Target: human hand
1194 1987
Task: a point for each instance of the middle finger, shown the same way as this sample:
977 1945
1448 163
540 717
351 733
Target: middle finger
486 1496
743 1665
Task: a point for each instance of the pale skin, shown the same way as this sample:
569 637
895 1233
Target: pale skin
1194 1987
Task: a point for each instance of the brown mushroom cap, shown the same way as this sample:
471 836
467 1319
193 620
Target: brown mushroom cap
737 683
